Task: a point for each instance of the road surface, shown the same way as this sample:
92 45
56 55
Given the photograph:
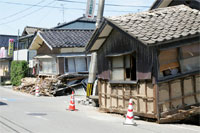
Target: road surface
24 113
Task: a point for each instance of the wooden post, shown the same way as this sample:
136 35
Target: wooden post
182 91
146 96
194 88
157 101
100 92
105 95
170 95
117 97
138 105
124 96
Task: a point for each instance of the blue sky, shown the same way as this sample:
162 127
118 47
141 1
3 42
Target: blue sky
16 14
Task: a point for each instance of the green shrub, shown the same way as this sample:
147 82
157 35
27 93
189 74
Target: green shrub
19 70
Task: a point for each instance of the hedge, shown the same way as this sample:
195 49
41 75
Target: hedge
19 70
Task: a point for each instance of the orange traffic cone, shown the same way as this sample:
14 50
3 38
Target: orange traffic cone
72 103
129 117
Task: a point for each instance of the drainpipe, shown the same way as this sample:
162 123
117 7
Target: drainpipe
93 63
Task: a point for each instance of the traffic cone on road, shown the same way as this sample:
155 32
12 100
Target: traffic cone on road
37 94
72 103
130 117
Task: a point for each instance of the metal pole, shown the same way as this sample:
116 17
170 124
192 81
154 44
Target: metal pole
17 44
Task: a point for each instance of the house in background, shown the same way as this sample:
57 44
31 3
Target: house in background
195 4
79 23
153 58
25 40
5 60
61 51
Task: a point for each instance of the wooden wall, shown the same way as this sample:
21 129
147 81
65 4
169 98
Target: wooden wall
178 94
115 98
45 50
118 43
173 96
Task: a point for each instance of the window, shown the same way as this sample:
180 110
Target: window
179 60
190 57
169 64
78 64
47 66
123 68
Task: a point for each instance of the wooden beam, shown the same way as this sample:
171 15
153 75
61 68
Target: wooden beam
105 93
170 95
100 91
176 98
138 103
157 101
146 96
182 91
194 88
123 91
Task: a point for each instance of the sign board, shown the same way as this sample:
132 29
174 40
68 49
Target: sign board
3 52
90 9
11 47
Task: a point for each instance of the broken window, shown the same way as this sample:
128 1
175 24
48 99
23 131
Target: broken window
168 60
190 57
123 68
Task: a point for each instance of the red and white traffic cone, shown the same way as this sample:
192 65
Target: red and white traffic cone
72 103
130 117
37 94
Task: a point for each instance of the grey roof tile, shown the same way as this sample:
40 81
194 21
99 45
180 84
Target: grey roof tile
162 24
62 38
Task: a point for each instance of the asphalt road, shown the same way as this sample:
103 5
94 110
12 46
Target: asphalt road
24 113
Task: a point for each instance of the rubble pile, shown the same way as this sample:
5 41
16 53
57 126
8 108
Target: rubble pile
62 85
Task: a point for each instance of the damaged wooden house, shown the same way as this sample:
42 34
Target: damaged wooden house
60 52
152 57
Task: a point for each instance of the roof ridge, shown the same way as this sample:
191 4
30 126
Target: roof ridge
160 10
57 29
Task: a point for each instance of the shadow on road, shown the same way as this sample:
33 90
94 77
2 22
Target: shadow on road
2 103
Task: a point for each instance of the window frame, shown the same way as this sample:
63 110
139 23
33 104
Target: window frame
74 58
179 58
125 79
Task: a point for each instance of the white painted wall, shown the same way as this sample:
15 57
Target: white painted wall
26 55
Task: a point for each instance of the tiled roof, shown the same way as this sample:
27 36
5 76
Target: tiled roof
159 25
80 19
30 30
62 38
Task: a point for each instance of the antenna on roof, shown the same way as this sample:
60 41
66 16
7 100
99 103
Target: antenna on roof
63 12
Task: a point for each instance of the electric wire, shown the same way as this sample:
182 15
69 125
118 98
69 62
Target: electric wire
117 5
21 17
23 10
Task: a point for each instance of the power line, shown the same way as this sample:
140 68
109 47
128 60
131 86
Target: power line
47 6
22 10
56 7
26 14
72 1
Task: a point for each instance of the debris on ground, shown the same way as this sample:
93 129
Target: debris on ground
55 86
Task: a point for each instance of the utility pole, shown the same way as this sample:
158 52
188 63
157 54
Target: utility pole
17 44
100 12
93 63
